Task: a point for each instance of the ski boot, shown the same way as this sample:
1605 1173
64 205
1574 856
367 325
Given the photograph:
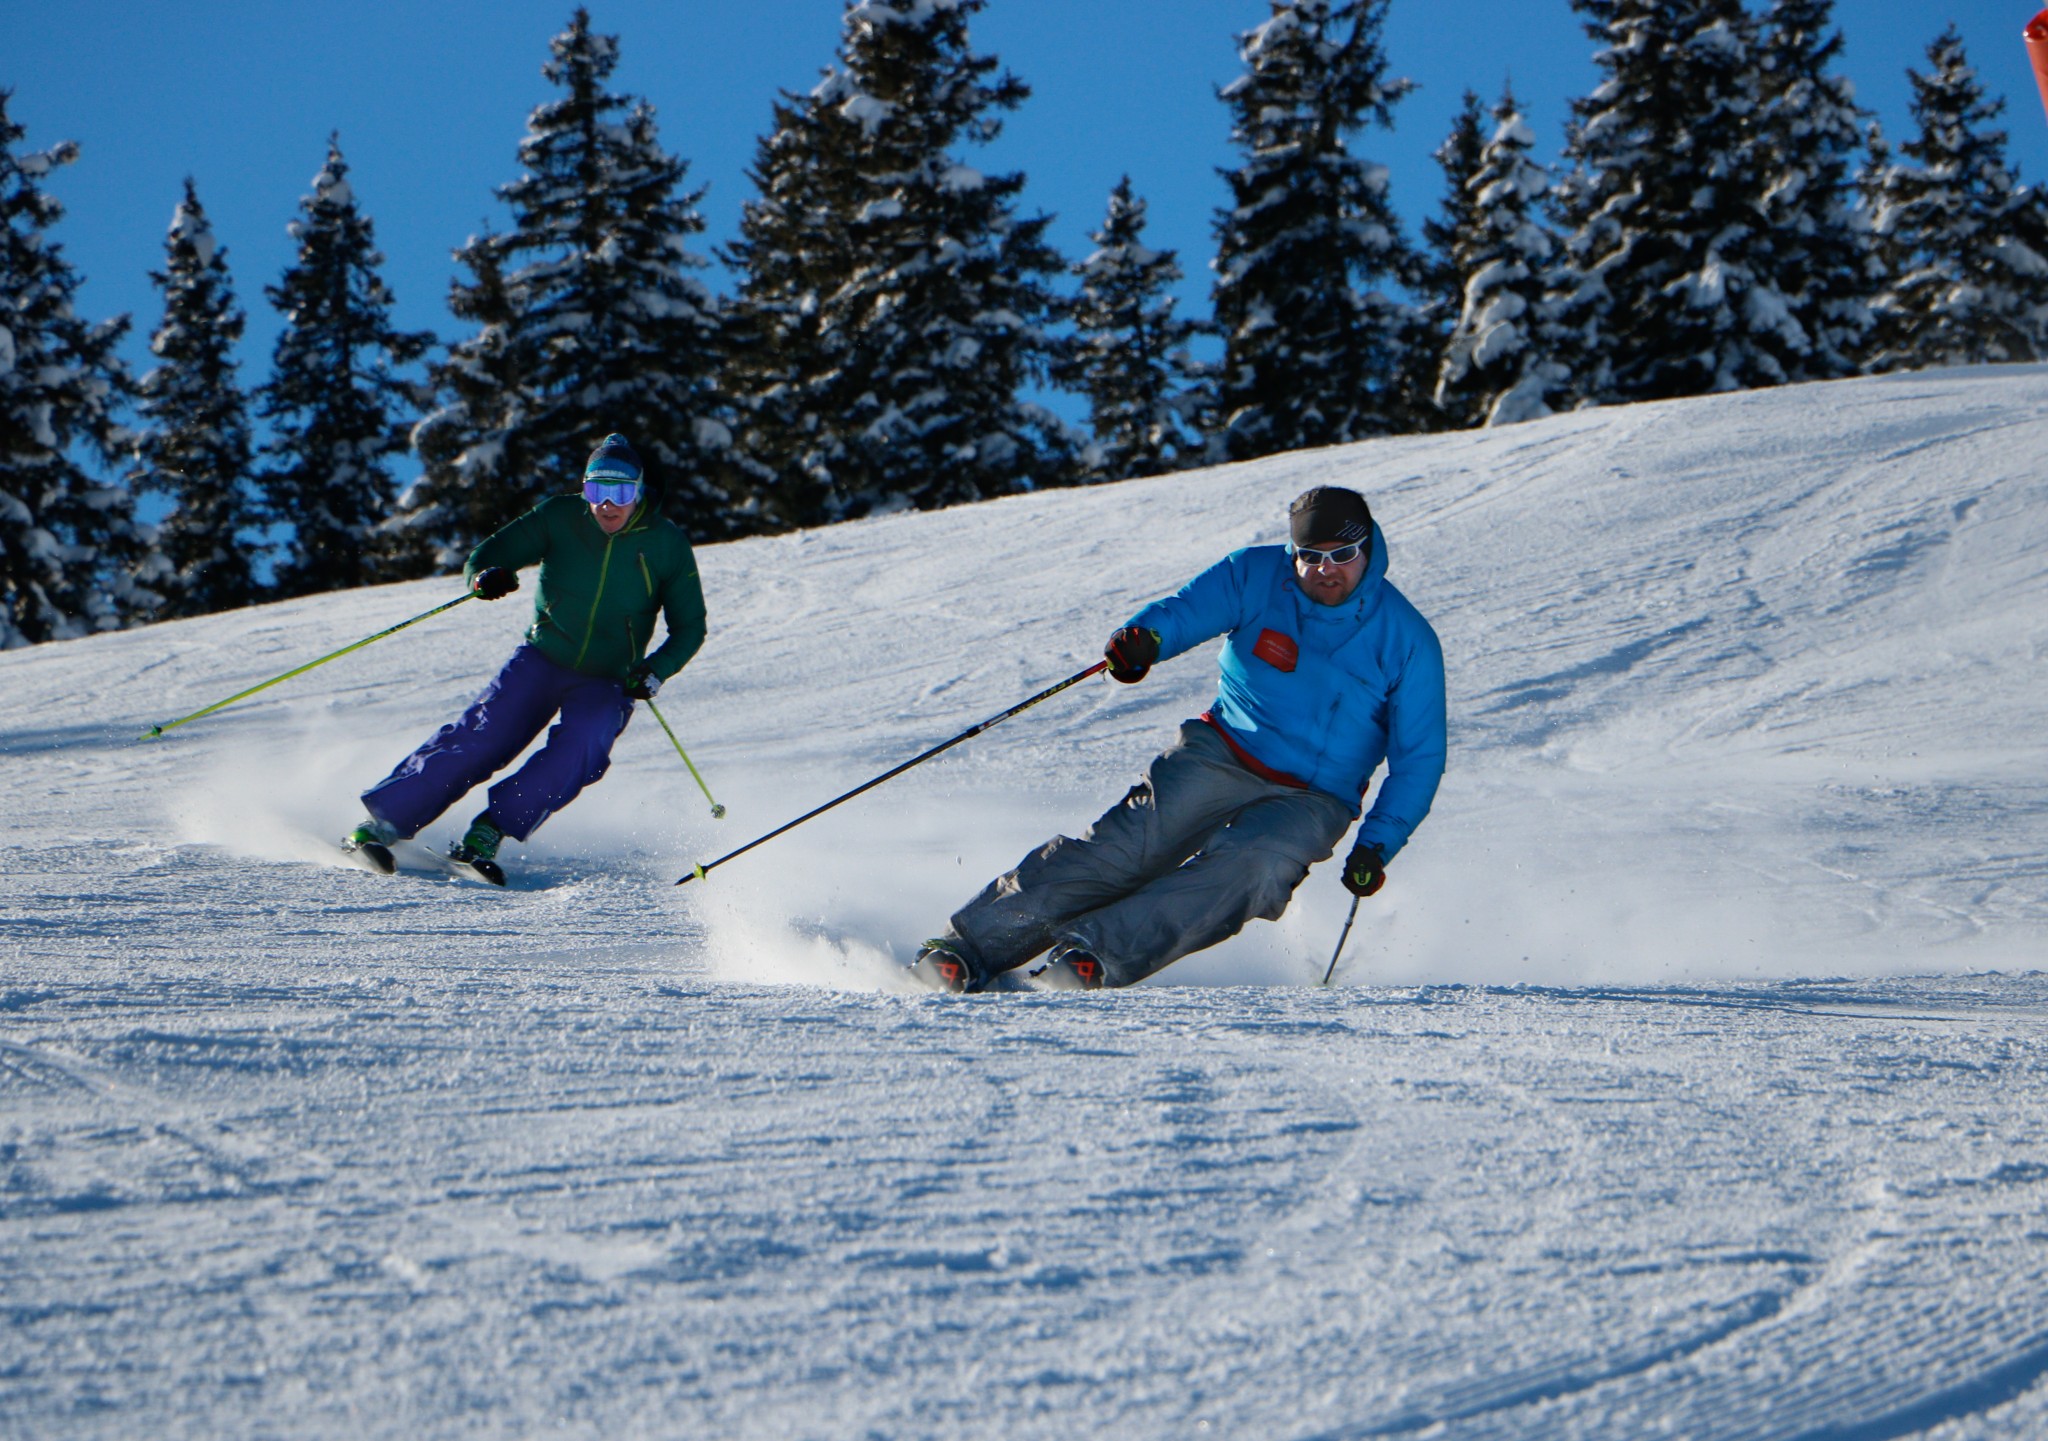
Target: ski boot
941 966
370 843
1070 969
477 851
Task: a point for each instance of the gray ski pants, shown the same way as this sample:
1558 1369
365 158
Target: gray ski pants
1197 849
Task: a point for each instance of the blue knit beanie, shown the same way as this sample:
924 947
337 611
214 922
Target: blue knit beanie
614 460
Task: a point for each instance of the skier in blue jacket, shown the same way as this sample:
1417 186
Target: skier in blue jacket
1328 672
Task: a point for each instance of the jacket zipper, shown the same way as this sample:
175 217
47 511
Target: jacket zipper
590 625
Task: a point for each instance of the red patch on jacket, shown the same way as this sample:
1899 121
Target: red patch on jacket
1277 650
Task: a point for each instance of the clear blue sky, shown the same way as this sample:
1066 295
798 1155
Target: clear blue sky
431 100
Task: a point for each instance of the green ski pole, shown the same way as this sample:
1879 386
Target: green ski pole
158 730
717 810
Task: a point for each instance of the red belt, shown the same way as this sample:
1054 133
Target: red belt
1251 762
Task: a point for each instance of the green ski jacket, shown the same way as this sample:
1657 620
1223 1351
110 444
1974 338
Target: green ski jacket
595 601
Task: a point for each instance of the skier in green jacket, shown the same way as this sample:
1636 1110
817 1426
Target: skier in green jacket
608 562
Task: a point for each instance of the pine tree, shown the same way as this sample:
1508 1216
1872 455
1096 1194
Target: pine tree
794 248
590 320
72 559
479 468
945 316
1669 288
195 446
1507 357
1883 262
1964 285
931 304
1818 246
2027 229
1130 353
1440 275
1312 350
338 407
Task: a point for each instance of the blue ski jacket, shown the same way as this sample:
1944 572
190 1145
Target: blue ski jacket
1320 694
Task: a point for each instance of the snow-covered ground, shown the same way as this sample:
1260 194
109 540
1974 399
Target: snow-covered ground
1686 1080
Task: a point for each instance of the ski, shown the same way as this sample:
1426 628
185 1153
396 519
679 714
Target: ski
382 859
479 869
372 856
940 969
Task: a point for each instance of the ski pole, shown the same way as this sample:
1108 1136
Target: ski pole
1341 940
697 872
158 730
717 810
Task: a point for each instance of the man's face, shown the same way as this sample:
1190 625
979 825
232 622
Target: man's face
610 518
1327 582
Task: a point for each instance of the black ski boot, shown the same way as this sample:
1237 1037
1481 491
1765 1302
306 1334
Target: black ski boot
477 851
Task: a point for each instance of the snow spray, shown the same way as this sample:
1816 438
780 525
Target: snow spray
2037 51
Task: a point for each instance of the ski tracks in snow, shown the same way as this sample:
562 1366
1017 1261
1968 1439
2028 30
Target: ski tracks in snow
574 1194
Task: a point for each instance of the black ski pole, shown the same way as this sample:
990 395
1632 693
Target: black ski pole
1341 940
158 730
696 872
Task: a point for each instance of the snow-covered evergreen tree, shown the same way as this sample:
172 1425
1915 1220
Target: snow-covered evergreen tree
591 320
912 329
1506 358
338 406
1818 246
2027 228
1130 355
479 467
1312 347
1964 285
1882 256
1669 287
72 559
1439 283
194 446
794 248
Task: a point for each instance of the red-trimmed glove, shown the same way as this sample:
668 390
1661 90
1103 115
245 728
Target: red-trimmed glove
494 583
1365 872
1130 653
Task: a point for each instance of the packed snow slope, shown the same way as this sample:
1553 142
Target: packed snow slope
1685 1080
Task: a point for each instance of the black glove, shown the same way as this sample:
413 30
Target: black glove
494 582
1130 653
643 682
1365 872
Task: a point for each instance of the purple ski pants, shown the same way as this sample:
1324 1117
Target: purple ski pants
528 693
